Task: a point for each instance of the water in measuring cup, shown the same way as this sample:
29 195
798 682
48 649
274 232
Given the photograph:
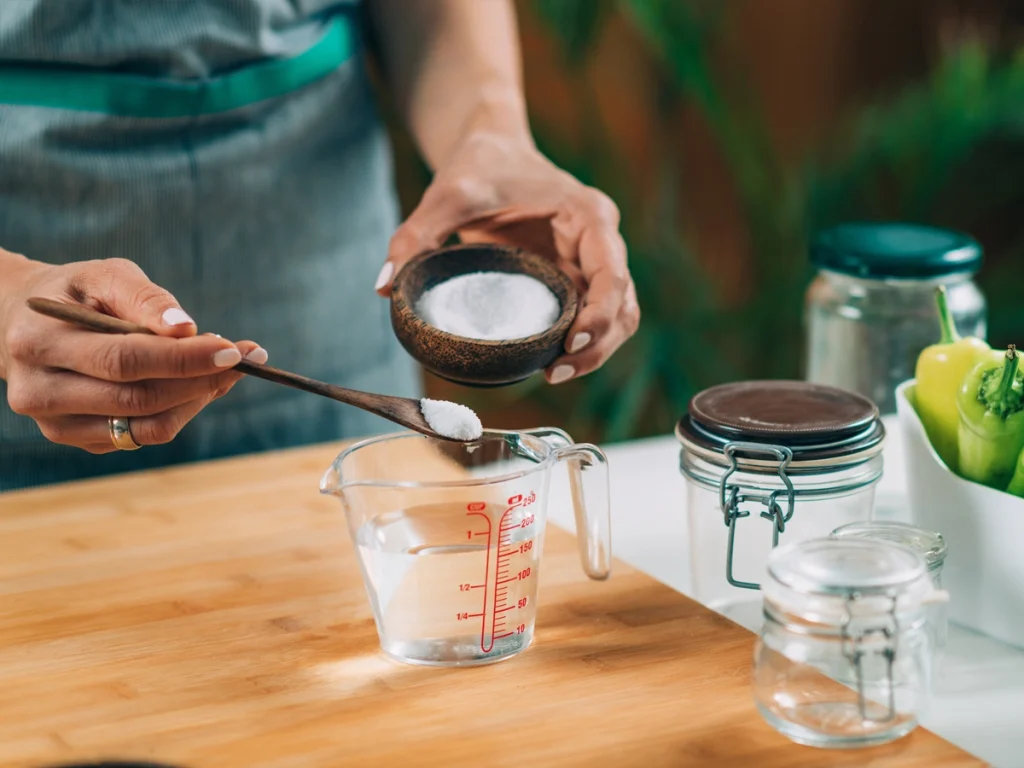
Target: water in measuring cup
453 584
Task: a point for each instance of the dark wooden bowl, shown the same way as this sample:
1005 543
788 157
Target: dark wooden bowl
475 362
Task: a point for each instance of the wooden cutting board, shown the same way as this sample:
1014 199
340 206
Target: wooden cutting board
214 616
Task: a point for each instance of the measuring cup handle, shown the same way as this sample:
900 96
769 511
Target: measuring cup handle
588 484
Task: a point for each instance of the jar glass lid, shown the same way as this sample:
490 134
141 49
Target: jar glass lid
830 580
839 566
816 423
929 544
894 250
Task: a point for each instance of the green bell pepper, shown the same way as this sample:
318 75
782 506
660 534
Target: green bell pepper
1016 486
991 435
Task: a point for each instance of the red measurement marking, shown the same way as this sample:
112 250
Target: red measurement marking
476 508
506 549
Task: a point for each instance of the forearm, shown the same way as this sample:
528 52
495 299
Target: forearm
455 68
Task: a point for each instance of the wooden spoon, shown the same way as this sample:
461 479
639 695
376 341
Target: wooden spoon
401 410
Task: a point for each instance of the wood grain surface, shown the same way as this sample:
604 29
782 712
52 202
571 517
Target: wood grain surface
214 616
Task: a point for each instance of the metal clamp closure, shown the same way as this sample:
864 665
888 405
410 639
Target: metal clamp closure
730 497
853 648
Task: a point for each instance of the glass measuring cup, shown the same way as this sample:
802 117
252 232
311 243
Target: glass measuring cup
449 536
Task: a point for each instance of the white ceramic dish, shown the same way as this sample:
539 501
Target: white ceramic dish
984 528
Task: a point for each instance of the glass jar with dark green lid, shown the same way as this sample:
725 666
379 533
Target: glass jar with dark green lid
871 309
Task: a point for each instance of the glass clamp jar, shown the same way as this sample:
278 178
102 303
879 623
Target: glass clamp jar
803 457
871 309
931 546
843 658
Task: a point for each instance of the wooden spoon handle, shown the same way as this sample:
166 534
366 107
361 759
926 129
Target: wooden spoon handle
87 317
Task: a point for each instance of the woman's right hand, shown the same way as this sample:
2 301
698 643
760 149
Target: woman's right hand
70 380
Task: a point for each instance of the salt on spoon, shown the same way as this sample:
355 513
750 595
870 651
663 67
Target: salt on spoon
490 306
451 420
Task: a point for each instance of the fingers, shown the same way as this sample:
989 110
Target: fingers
588 235
92 433
53 394
447 206
118 358
124 291
594 354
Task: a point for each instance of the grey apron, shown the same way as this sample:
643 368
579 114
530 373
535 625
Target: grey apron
261 198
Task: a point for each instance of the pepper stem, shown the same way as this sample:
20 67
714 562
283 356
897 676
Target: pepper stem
946 321
1009 373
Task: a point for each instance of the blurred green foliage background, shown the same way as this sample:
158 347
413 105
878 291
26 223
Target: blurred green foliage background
943 144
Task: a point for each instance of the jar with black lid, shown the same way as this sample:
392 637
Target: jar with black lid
871 309
770 462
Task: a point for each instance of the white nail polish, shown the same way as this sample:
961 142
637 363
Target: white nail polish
175 316
579 341
562 373
226 358
385 275
258 355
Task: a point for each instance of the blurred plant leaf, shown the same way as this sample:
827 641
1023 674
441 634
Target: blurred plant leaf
576 23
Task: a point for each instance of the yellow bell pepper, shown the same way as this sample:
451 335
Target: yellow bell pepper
941 369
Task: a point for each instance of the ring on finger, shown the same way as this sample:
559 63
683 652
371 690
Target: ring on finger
121 434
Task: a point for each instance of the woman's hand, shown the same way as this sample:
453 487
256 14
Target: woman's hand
498 188
70 381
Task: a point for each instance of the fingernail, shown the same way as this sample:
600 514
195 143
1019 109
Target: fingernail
175 316
227 358
562 373
579 341
258 355
385 275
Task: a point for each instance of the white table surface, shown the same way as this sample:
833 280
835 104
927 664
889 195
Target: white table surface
979 703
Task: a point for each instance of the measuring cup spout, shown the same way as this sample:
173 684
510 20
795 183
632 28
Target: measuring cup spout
589 488
330 483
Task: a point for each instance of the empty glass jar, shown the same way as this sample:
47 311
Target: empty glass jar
871 310
769 462
844 655
929 544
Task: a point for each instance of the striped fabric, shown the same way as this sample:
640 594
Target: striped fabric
268 222
162 38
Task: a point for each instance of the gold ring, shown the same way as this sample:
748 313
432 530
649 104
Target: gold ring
121 434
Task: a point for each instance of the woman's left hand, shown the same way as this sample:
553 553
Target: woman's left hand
499 188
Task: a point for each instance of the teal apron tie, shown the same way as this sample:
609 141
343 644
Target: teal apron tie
134 96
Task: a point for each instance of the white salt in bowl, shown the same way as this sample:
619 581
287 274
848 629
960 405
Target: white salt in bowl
471 361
